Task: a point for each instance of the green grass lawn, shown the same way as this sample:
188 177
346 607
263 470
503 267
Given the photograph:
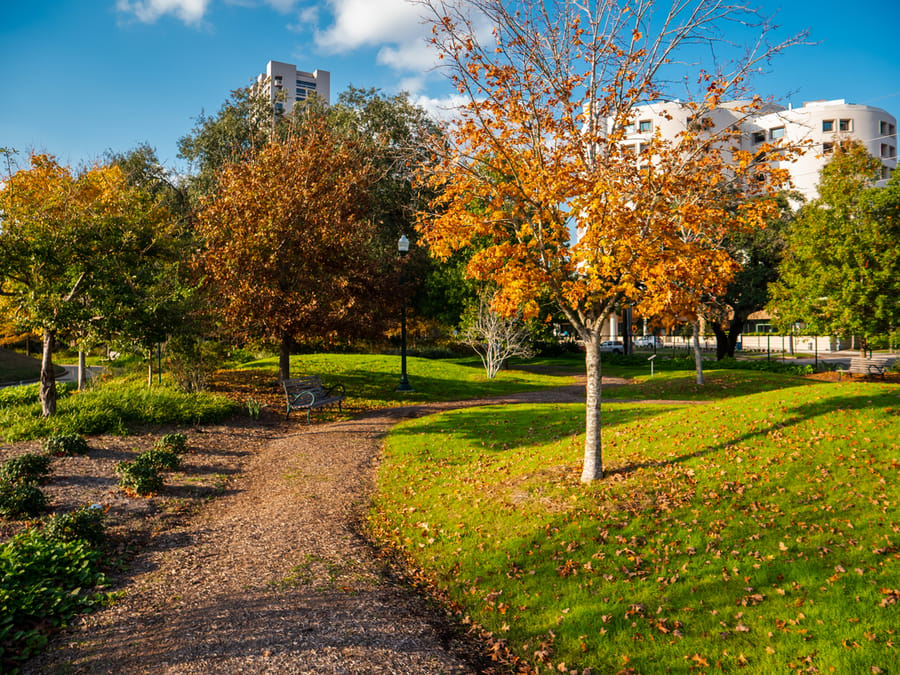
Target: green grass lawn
756 533
371 379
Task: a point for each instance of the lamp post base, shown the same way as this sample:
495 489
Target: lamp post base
404 385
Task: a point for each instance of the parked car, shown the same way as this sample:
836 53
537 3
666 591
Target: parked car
612 346
648 341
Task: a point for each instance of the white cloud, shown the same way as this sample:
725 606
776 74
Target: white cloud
148 11
360 23
444 108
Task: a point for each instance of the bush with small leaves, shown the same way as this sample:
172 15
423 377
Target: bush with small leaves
140 476
175 442
65 445
161 459
21 500
85 523
28 468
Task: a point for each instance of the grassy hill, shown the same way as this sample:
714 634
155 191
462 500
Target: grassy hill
755 533
15 367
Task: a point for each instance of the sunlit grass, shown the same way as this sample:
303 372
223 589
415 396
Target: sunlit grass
681 385
111 406
757 532
371 379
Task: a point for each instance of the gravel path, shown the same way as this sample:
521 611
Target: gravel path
275 577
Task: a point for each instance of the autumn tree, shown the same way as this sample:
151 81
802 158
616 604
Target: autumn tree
289 251
841 271
572 212
70 246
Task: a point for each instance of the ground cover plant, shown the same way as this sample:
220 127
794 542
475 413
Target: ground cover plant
759 532
111 406
47 575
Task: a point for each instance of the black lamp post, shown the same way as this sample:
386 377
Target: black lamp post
403 248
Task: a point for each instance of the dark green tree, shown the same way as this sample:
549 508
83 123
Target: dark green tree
841 271
759 252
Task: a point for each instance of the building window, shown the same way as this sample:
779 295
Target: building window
629 128
645 127
758 137
776 132
827 148
887 129
885 172
888 151
643 147
845 125
827 125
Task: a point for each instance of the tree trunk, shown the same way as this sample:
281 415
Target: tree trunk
284 357
698 355
733 334
82 373
593 448
48 376
722 341
149 366
726 341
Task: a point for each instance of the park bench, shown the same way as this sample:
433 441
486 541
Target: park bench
872 365
306 393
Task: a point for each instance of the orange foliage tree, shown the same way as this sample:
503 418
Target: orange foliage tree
289 251
71 246
535 173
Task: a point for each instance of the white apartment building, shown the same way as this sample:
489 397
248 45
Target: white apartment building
287 85
819 124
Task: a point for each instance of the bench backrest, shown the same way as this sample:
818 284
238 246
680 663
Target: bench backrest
298 384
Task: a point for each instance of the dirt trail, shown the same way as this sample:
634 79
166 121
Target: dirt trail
275 576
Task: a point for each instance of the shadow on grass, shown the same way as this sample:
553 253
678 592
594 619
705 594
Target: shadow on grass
720 384
804 412
512 427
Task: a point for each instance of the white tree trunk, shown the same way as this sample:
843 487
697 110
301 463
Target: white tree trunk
593 448
698 354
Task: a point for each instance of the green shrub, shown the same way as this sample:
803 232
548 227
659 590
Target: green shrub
21 500
28 468
85 523
41 587
140 476
65 445
160 459
175 442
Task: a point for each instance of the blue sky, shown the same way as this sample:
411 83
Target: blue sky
83 76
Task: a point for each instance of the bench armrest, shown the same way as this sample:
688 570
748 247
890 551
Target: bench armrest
303 399
339 388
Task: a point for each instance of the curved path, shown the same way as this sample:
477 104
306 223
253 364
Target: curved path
276 577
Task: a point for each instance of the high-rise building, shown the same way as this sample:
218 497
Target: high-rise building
816 126
288 86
